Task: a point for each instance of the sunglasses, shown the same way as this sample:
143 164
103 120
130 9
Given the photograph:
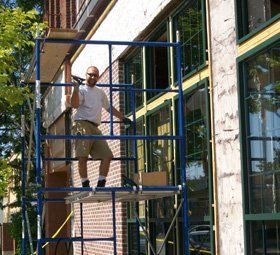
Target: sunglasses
92 75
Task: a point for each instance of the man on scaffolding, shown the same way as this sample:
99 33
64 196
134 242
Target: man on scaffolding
89 101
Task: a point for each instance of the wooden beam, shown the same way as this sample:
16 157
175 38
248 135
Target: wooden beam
53 54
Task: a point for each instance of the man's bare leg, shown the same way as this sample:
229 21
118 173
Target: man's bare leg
103 171
83 171
104 166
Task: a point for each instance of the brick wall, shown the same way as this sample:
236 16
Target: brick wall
56 213
60 13
8 244
98 217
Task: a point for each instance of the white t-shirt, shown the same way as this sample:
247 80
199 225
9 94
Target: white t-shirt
91 102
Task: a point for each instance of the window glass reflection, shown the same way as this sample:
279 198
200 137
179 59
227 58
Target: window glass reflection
133 66
263 128
190 24
197 153
260 11
161 158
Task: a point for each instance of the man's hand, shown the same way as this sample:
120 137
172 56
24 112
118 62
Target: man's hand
75 84
75 94
127 121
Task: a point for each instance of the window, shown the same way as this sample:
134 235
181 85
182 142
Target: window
157 64
132 244
160 153
133 66
197 152
131 170
254 13
198 168
261 134
264 230
190 22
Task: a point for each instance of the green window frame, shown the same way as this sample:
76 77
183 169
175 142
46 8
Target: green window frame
243 22
259 86
190 21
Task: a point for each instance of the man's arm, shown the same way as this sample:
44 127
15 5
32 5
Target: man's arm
120 116
75 96
116 113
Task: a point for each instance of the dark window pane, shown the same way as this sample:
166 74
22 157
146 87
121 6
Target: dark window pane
157 66
263 237
169 247
132 241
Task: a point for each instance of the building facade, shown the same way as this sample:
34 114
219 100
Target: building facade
231 81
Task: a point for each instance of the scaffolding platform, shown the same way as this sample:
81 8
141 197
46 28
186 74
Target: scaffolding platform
98 195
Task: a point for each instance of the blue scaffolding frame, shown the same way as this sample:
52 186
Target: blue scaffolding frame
113 190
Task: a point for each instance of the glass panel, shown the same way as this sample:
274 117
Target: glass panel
132 240
260 11
161 154
157 65
197 153
264 193
131 166
169 247
161 158
134 67
263 128
190 24
199 233
264 237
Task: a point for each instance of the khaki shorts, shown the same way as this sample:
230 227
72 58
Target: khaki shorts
98 149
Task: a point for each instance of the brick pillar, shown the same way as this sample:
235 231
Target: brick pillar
68 90
56 213
63 12
8 244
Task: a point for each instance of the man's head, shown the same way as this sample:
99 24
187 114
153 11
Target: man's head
92 76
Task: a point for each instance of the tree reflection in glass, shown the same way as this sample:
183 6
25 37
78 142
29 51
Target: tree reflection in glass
263 130
197 153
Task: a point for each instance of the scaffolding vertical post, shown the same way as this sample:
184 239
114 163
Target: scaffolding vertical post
135 153
111 89
38 148
23 182
182 146
114 222
82 228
